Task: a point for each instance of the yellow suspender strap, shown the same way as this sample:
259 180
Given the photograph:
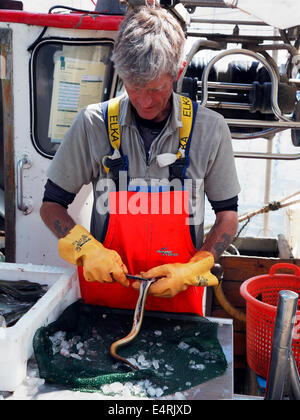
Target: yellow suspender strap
113 127
187 121
114 131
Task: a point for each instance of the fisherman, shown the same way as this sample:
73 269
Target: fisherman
151 155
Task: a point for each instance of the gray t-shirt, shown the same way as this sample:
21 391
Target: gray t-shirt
211 169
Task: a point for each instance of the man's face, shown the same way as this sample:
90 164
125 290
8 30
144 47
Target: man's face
152 101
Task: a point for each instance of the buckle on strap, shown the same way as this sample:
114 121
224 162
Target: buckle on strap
177 169
116 165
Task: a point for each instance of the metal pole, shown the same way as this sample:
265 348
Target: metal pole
204 3
269 161
268 185
294 380
281 347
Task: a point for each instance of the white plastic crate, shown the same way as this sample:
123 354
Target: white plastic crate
16 341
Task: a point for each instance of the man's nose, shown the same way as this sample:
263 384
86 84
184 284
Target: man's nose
147 99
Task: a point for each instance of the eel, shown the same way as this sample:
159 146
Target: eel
137 323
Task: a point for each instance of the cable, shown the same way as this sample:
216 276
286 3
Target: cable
69 8
227 306
30 48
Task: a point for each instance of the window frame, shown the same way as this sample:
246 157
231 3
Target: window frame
111 85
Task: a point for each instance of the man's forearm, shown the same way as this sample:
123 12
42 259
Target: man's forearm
221 234
56 218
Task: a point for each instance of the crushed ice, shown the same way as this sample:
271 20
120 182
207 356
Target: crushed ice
142 389
78 349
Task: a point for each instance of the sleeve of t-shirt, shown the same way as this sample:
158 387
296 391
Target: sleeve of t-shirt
79 158
55 194
221 180
225 205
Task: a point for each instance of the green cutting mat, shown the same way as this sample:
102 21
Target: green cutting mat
174 352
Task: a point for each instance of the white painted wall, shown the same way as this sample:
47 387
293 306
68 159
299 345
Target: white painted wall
43 6
34 242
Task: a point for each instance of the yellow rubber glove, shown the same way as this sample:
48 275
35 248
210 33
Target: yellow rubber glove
175 278
100 264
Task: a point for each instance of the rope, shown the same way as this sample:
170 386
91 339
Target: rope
222 299
272 206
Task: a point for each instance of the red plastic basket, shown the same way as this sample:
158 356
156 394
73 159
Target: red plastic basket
261 294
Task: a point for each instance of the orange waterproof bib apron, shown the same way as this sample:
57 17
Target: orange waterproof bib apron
144 241
147 229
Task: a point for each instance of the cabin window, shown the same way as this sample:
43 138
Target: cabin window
65 77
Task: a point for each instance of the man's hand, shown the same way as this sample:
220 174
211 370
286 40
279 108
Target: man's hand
100 264
175 278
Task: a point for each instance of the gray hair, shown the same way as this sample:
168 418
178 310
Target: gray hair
150 42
